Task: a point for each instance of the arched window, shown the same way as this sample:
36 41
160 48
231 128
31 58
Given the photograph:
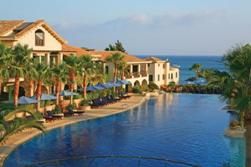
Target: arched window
39 38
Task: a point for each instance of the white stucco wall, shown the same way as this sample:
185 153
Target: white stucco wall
162 75
50 43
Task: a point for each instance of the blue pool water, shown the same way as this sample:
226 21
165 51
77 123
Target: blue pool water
175 126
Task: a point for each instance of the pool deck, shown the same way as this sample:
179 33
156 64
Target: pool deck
13 141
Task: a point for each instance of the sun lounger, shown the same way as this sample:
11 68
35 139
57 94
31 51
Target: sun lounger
78 112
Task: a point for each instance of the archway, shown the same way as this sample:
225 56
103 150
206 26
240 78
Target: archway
128 88
136 83
144 85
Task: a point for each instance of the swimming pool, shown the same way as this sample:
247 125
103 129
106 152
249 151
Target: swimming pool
175 126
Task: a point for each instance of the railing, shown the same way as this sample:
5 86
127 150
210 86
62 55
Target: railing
112 161
136 74
143 73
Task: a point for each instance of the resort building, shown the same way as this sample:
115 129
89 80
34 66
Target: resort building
50 48
161 72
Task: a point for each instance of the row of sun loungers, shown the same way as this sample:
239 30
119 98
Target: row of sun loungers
99 102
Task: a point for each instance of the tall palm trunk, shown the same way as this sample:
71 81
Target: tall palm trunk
122 74
0 86
242 117
115 73
16 90
39 93
72 79
85 87
31 82
58 87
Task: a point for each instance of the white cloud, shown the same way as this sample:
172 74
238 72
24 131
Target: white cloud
208 32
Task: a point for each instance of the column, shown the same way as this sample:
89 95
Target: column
139 68
131 71
47 57
60 58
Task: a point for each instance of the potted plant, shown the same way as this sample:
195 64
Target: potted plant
84 105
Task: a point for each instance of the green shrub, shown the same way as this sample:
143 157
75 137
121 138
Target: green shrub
57 110
152 86
77 96
71 106
84 103
136 89
172 84
38 115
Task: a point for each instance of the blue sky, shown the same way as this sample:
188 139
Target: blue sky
173 27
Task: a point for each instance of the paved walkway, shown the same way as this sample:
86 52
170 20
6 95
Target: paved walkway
19 138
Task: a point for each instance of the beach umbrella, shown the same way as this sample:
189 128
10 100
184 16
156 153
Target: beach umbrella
123 82
94 88
115 84
105 85
67 93
27 100
46 97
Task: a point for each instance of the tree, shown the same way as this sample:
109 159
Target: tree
5 55
59 75
19 58
88 68
9 124
115 59
122 69
118 46
41 76
72 63
197 69
236 80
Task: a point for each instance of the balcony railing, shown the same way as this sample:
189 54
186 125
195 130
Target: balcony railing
136 75
143 73
114 160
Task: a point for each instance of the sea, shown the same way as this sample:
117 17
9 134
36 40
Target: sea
185 62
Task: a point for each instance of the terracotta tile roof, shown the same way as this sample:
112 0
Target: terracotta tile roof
19 28
73 49
154 59
9 25
103 54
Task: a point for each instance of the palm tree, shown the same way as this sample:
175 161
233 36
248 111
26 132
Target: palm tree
236 81
41 76
87 70
20 57
122 69
9 124
5 54
72 63
59 75
115 59
197 69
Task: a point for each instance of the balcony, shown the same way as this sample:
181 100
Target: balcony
143 74
136 75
